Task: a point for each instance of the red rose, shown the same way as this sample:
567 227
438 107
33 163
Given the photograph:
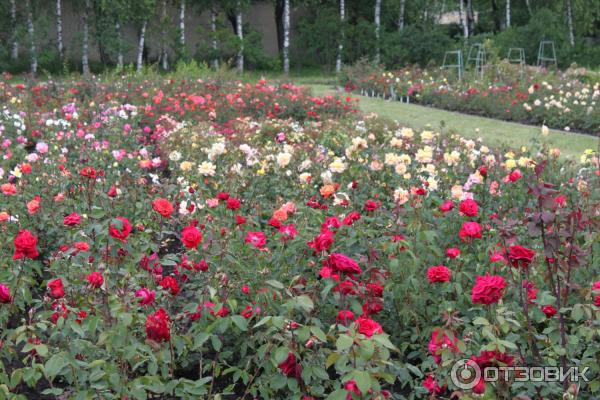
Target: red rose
122 233
345 317
25 245
5 296
56 288
596 289
470 230
439 341
247 312
431 385
488 289
489 358
483 171
480 387
157 326
89 172
290 366
468 207
351 218
95 279
439 273
367 326
233 203
342 263
240 220
163 207
146 296
370 205
256 239
191 237
81 246
446 206
322 241
169 283
520 256
112 191
72 220
223 196
452 252
549 310
514 176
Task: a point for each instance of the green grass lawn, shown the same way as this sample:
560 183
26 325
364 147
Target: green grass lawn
492 131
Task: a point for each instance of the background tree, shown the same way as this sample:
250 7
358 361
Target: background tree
31 32
338 62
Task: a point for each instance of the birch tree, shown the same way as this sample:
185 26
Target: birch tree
182 25
240 34
119 44
213 29
59 29
570 22
85 65
401 15
377 31
140 49
164 54
31 33
14 51
463 19
286 36
507 14
338 61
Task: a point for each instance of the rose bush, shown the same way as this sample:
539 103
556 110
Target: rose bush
219 240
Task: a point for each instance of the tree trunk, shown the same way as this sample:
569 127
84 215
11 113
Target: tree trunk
470 17
463 20
85 65
570 23
496 13
14 52
528 5
377 31
338 62
286 36
240 34
507 14
59 36
140 50
213 28
279 23
401 15
31 32
164 54
182 25
119 45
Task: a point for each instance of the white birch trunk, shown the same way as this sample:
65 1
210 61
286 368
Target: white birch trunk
119 45
59 28
240 33
338 62
182 25
85 65
528 5
31 32
570 23
140 50
507 14
14 52
377 31
286 36
164 54
401 16
213 28
463 19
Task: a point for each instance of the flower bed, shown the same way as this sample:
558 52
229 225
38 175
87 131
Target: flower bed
559 101
195 239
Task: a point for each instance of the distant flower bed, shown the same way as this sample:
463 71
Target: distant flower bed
558 101
196 239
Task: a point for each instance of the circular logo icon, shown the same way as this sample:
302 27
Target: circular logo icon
465 374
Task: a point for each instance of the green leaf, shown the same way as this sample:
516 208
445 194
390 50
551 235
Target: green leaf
240 322
363 380
480 321
275 284
318 332
55 364
305 302
262 321
577 312
343 342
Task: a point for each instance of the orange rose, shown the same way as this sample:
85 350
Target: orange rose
327 190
